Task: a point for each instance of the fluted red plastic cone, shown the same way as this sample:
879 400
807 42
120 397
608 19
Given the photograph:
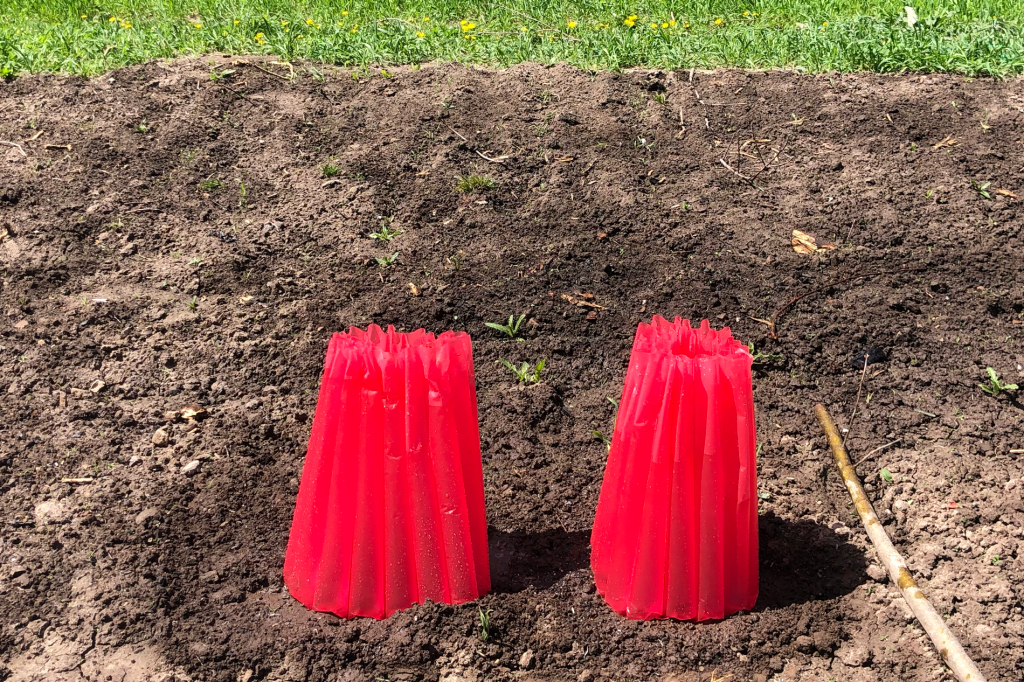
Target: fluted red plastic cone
390 510
676 529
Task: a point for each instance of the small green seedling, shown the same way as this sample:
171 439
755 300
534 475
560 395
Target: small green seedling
386 261
193 305
485 624
474 183
386 233
995 386
981 188
141 127
603 438
329 170
210 184
511 329
996 559
886 475
216 75
614 402
525 373
760 358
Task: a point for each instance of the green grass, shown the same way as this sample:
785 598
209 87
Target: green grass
85 36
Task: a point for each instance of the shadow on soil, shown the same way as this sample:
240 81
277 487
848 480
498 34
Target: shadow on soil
519 559
803 561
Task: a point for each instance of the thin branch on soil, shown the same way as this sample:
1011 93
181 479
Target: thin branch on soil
733 170
789 304
457 133
942 637
16 146
856 403
500 159
874 452
260 68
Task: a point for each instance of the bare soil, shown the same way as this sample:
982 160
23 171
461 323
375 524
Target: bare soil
169 239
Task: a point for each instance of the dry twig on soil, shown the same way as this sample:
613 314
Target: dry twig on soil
942 637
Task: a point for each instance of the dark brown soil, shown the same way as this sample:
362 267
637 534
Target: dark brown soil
131 289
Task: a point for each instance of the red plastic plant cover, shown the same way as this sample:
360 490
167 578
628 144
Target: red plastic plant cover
390 511
676 529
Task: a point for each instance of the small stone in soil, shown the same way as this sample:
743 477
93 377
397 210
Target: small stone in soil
191 468
160 438
146 514
854 655
875 354
876 572
526 660
587 675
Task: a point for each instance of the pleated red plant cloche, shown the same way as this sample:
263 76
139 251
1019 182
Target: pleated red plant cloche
676 529
390 509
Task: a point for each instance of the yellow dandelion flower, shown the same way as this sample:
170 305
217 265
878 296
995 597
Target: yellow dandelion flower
318 26
824 23
523 29
630 20
686 24
654 24
287 30
259 38
426 18
236 22
309 22
284 23
718 20
472 37
671 22
344 12
354 30
571 24
421 34
197 25
664 24
83 16
112 19
746 13
224 33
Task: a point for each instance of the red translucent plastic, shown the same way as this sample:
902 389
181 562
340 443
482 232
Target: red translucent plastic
676 529
390 511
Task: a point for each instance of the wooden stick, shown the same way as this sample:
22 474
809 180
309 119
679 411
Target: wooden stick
16 146
945 641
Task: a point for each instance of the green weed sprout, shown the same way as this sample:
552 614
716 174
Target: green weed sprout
995 386
511 329
525 373
474 183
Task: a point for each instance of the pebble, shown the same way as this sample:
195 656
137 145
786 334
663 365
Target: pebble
854 655
160 438
526 660
876 573
587 675
146 514
192 467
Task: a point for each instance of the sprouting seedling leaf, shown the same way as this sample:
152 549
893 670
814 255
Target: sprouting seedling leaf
511 329
886 475
603 438
995 385
613 401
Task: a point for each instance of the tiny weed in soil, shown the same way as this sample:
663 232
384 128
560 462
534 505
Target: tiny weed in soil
886 475
981 188
760 358
511 329
996 559
141 127
614 402
210 184
193 305
660 98
384 262
386 232
485 624
329 170
603 438
525 373
995 386
475 183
